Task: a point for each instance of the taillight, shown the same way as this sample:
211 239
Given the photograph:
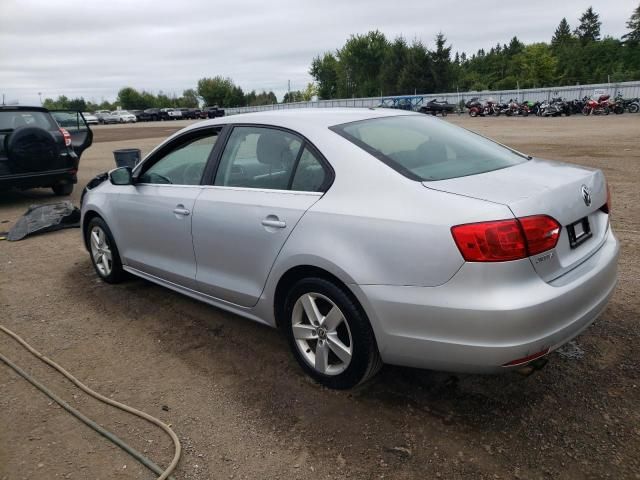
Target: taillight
490 241
606 208
542 233
504 240
67 137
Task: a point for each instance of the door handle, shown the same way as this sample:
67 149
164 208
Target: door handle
180 210
273 222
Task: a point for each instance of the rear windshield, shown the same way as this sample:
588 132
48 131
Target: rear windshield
22 118
427 149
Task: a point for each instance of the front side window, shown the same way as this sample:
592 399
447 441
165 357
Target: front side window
258 157
183 165
427 149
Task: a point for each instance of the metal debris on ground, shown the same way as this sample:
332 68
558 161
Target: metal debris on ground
45 218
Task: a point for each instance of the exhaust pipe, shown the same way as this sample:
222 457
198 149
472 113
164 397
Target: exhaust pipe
532 367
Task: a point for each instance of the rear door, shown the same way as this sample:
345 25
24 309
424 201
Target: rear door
75 123
266 180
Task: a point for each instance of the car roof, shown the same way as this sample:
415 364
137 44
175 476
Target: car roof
310 117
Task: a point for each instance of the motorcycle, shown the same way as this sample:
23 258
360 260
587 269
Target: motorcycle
597 107
617 104
562 105
532 107
491 108
632 106
475 107
550 109
576 106
514 108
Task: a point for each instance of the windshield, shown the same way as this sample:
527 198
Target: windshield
426 149
10 120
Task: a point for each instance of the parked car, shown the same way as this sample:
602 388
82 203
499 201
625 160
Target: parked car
213 112
125 116
90 118
39 148
367 236
149 115
107 117
170 114
190 113
137 113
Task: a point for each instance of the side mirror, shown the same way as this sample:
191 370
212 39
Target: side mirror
121 176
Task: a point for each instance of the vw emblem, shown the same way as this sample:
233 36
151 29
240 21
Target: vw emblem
586 195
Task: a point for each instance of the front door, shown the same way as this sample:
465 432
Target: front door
266 180
155 214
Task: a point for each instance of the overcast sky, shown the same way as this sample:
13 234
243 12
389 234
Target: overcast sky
92 48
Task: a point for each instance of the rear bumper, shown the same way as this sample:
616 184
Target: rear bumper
488 315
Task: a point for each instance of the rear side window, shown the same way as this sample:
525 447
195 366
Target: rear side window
10 120
426 149
310 175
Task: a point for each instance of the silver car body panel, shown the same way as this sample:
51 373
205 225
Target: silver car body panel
386 237
543 186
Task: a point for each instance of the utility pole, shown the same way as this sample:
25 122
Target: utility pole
289 89
40 96
3 99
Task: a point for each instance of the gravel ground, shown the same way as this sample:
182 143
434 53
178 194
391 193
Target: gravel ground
242 407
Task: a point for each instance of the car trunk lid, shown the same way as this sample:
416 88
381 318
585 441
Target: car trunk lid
571 194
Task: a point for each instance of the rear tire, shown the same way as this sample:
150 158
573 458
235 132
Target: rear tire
104 251
62 189
335 344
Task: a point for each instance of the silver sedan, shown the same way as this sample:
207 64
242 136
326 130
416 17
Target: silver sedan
368 236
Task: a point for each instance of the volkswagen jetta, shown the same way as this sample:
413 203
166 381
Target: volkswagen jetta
367 235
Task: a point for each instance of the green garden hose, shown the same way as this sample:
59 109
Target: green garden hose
163 474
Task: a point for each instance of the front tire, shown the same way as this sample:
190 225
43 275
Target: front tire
104 252
329 334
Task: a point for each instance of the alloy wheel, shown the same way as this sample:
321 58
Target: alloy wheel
322 334
101 251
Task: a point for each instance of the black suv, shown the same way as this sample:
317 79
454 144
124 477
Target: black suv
41 148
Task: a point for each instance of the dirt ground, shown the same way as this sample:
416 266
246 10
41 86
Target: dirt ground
242 407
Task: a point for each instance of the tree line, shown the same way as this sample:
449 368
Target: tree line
369 65
216 91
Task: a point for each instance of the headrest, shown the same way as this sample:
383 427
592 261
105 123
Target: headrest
273 149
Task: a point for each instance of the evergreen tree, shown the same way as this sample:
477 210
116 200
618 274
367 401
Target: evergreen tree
589 28
394 60
562 35
634 26
441 63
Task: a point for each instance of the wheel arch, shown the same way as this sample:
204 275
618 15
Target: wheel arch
294 274
88 216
